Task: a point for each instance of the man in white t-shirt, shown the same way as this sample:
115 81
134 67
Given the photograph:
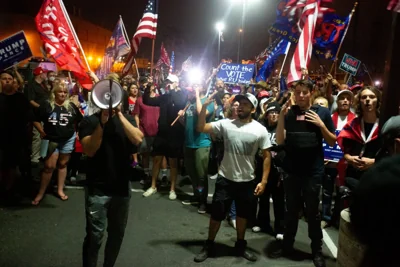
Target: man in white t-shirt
242 139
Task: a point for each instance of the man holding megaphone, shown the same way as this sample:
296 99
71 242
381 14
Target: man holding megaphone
107 138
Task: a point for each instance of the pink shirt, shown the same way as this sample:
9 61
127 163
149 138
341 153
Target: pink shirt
148 117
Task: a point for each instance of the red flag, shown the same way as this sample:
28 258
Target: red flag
58 38
394 5
147 28
164 58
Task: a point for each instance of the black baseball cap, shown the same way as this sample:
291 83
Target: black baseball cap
273 106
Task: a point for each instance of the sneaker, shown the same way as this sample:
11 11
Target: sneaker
134 164
202 209
150 191
191 201
242 251
207 251
256 229
172 195
324 224
232 222
73 179
279 251
279 237
319 260
214 176
164 181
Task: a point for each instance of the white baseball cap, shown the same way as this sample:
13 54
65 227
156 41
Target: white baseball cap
173 78
248 96
345 92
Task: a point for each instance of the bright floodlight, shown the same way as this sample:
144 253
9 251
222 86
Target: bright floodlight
377 83
196 76
220 26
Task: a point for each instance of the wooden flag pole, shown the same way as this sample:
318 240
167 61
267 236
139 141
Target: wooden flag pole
344 36
284 60
152 57
177 118
74 33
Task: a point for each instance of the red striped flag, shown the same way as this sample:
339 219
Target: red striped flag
147 28
394 5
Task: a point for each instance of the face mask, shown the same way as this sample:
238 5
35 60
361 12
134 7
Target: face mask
52 79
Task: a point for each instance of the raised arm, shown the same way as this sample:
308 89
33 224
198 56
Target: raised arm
133 133
202 126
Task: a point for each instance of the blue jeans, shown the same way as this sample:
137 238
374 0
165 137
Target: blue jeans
101 211
328 186
232 211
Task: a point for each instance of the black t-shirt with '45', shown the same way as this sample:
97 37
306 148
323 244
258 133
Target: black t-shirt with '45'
58 122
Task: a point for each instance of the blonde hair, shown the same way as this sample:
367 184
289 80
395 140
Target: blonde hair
323 99
58 87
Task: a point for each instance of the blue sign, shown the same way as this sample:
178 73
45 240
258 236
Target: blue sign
236 73
333 154
13 50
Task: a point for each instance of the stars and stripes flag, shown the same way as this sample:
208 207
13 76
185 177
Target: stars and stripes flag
309 11
187 64
147 28
263 55
164 58
394 5
172 65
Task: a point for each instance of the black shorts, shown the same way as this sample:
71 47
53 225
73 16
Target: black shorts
168 147
226 191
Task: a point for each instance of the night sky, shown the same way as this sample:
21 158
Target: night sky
188 26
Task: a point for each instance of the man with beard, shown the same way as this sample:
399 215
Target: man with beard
340 117
15 114
301 129
274 186
242 139
170 138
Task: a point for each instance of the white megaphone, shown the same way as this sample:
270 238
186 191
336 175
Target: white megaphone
107 94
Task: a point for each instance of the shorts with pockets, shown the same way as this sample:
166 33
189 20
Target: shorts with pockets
226 191
168 147
66 147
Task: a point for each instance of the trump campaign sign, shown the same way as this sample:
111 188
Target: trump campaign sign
13 50
334 153
350 64
236 73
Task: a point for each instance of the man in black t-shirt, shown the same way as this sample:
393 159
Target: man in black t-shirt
15 114
301 129
107 140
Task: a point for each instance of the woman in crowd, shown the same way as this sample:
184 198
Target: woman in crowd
134 93
59 117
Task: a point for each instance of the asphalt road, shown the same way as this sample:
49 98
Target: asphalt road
160 232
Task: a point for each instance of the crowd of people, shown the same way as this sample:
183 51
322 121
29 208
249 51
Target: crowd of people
260 143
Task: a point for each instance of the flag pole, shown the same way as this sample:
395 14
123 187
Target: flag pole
152 57
344 36
74 33
129 42
284 60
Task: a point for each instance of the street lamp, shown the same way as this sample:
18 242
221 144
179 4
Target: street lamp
220 27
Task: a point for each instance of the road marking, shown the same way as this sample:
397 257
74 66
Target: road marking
329 243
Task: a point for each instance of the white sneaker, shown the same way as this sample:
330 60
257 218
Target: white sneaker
150 191
172 195
214 176
256 229
279 237
232 223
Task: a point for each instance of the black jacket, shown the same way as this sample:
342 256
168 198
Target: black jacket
170 104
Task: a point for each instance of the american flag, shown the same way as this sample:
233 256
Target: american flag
147 28
187 64
164 58
263 55
172 65
302 55
394 5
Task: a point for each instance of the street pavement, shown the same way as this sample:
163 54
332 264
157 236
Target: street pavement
160 232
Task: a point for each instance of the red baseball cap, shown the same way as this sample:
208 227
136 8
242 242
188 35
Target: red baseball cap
262 94
39 71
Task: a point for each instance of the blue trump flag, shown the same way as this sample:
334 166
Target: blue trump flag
268 66
329 34
117 47
282 26
172 65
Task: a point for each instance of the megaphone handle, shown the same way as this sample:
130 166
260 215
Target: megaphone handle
111 103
